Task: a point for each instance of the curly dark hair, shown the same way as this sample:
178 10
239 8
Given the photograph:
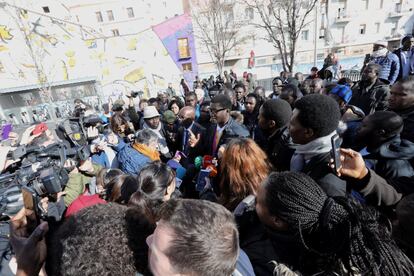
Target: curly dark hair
318 112
104 239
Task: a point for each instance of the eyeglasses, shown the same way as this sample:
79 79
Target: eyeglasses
212 111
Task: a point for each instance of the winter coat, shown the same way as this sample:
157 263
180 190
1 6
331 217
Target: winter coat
77 184
375 99
408 117
130 160
279 149
318 168
390 66
391 159
254 240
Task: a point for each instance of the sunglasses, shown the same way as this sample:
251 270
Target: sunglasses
212 111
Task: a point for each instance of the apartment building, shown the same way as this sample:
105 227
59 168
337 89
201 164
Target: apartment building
346 27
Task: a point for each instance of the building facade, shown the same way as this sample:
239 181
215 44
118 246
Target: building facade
346 27
67 56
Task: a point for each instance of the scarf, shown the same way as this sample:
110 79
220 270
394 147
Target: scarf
305 152
379 53
145 150
162 143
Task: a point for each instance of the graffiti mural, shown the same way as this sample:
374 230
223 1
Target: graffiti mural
137 62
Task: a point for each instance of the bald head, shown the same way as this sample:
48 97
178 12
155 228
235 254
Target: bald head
187 112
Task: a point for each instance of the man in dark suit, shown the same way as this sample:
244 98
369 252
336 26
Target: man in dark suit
191 135
224 127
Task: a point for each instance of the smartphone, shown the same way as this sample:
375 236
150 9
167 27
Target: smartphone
31 204
201 179
180 153
5 131
336 142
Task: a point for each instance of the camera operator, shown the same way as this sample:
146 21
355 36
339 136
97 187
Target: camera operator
131 111
80 107
80 176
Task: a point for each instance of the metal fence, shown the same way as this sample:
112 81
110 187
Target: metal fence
353 75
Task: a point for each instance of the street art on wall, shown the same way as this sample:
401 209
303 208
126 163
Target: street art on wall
48 51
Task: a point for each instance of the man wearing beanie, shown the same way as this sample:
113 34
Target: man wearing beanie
405 55
342 94
274 116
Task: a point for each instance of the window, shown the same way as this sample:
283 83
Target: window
99 17
305 35
249 13
130 12
183 48
46 9
110 15
362 29
342 31
187 67
164 3
377 27
115 32
366 4
381 4
394 29
321 33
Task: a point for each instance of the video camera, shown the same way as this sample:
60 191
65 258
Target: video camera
41 174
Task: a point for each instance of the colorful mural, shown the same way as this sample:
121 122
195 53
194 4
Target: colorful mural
147 61
170 31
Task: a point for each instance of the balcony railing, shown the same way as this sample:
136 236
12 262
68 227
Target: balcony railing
398 11
342 16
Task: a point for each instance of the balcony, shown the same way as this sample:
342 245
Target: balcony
342 17
398 11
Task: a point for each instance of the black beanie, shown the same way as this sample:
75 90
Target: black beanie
278 111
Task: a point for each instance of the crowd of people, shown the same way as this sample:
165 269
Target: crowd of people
226 179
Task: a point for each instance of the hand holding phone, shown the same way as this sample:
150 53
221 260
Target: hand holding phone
201 179
336 142
5 131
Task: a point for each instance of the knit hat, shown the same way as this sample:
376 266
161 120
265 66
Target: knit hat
150 112
342 91
277 110
169 117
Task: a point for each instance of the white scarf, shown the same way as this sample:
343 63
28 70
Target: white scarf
379 53
305 152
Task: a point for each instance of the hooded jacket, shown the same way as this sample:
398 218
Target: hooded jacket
391 159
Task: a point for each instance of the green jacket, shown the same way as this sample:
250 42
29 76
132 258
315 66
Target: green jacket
76 184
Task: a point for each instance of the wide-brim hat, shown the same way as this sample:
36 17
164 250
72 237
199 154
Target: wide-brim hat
150 112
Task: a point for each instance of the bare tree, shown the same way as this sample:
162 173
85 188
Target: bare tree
283 22
217 28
